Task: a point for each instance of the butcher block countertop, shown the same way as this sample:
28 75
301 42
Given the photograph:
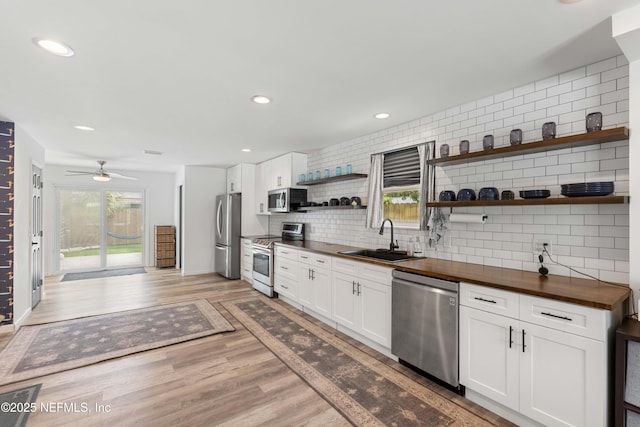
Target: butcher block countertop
590 293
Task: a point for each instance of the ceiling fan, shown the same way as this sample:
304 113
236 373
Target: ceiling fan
101 174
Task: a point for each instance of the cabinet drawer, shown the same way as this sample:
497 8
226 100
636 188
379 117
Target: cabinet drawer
285 252
484 298
286 287
343 265
246 243
364 270
576 319
285 268
374 272
314 259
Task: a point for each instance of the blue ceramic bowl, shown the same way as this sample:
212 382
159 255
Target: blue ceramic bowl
488 193
466 194
447 196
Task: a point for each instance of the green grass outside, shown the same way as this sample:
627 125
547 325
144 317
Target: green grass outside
117 249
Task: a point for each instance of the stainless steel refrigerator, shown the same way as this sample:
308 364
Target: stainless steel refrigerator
227 253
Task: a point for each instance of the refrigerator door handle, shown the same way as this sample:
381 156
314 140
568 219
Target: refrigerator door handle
219 219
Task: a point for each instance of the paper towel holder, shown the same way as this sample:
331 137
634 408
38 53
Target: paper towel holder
468 218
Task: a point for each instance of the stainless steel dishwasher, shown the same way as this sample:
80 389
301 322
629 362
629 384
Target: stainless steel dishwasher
424 324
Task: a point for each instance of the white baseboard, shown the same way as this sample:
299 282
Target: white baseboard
22 318
503 411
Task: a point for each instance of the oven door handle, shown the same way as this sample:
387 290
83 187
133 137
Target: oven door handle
261 251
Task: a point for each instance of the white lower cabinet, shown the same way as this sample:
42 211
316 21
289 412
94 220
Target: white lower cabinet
356 295
246 262
489 365
285 272
360 303
535 368
314 274
562 378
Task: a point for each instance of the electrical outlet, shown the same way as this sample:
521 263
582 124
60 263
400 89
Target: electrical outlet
539 245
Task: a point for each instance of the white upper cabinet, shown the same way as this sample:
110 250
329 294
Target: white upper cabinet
283 171
234 179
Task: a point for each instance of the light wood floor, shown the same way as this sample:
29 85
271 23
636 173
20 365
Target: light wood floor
226 379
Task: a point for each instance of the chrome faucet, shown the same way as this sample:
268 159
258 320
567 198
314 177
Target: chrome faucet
392 245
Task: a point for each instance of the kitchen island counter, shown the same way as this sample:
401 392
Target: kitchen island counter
586 292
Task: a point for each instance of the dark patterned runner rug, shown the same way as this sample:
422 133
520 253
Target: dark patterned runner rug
365 390
53 347
12 404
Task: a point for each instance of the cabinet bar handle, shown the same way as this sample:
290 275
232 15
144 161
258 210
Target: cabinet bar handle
313 275
320 261
523 344
353 287
510 336
558 317
304 257
283 267
485 300
358 288
309 274
284 286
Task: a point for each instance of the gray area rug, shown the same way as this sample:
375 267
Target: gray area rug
13 404
53 347
103 273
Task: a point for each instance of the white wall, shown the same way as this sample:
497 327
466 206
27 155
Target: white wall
201 186
159 204
626 30
592 238
27 152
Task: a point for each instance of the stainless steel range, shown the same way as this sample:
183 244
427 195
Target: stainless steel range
263 256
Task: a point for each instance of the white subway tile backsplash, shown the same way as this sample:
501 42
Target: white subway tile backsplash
572 75
605 87
618 95
592 238
616 73
600 242
574 95
601 66
586 81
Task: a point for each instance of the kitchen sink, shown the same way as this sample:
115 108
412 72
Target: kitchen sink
382 254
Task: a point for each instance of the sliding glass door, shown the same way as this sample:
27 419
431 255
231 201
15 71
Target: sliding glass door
99 229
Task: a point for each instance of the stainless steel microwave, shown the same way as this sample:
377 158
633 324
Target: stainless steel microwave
286 199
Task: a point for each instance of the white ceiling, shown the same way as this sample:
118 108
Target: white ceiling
177 76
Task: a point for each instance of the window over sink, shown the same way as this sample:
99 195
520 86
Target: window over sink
401 187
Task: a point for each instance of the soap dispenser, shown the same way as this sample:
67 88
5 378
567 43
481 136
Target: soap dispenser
417 248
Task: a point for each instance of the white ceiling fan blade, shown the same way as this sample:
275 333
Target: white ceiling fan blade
81 173
117 175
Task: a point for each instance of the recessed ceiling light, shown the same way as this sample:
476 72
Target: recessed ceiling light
82 127
382 115
53 46
261 99
569 1
246 150
153 152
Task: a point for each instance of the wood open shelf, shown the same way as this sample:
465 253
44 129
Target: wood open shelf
345 177
591 200
598 137
324 208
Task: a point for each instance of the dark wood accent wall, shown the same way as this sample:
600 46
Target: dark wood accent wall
7 138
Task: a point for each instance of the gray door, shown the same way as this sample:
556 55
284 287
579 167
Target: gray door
36 235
